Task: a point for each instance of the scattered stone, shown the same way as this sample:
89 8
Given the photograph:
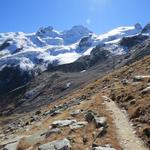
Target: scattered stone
100 122
53 131
107 98
103 148
78 125
146 90
11 146
56 145
83 97
68 84
125 82
11 143
71 139
62 123
38 112
33 119
101 132
89 116
140 78
56 113
132 102
75 113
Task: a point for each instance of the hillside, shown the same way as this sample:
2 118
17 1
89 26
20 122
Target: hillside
128 87
98 101
26 55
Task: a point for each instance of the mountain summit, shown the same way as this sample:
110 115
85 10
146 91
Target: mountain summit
29 54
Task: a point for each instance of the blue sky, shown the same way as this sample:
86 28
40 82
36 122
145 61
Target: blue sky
98 15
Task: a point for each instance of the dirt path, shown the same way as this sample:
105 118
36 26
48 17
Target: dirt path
126 134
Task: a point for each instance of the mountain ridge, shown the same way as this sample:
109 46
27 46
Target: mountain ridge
33 53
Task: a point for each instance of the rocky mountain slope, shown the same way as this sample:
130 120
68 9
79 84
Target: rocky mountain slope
27 55
85 104
91 117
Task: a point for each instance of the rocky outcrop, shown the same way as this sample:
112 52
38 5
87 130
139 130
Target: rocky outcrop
98 55
129 42
89 116
146 29
137 52
5 44
13 77
100 122
62 123
103 148
146 90
56 145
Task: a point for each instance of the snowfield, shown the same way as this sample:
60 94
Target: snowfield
48 46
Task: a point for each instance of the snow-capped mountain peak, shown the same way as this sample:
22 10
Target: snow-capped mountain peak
48 45
116 34
47 31
75 34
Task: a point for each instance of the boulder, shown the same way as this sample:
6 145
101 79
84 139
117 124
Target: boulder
62 123
100 122
103 148
75 113
56 145
125 82
146 90
50 132
101 132
55 113
11 146
140 78
89 116
78 125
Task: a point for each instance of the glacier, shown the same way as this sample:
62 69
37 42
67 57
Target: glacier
49 46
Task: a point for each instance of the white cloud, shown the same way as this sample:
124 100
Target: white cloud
88 21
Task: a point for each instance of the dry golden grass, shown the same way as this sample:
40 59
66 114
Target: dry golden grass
104 86
76 137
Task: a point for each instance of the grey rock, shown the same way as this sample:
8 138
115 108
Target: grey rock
100 121
62 123
53 131
146 90
56 113
140 78
11 146
75 113
89 116
56 145
125 82
101 132
103 148
78 125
